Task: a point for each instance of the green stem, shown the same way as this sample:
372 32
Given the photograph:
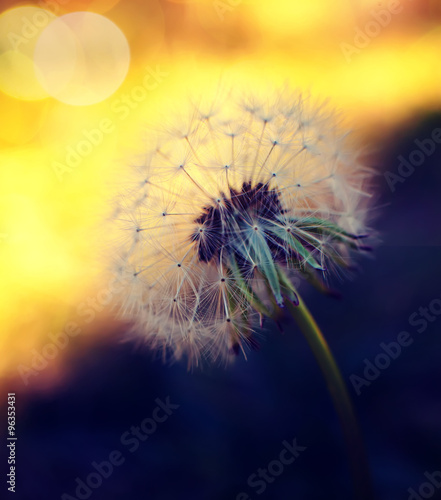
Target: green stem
340 398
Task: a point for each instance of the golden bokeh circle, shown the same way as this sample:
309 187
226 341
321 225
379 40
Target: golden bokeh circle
81 58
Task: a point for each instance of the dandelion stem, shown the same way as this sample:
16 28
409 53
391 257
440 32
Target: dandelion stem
340 398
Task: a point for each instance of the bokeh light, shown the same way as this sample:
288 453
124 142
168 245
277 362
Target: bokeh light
81 58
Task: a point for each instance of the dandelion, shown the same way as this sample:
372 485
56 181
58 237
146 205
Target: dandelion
226 208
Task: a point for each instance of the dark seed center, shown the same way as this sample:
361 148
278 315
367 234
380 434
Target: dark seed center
231 214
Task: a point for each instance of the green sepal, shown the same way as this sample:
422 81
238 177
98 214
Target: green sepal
267 266
296 246
245 289
322 226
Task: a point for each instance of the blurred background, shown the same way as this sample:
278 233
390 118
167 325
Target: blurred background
81 83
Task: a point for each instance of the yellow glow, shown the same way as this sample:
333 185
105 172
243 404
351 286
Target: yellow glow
21 120
292 18
31 244
82 58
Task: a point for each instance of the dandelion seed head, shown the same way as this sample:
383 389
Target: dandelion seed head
226 206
